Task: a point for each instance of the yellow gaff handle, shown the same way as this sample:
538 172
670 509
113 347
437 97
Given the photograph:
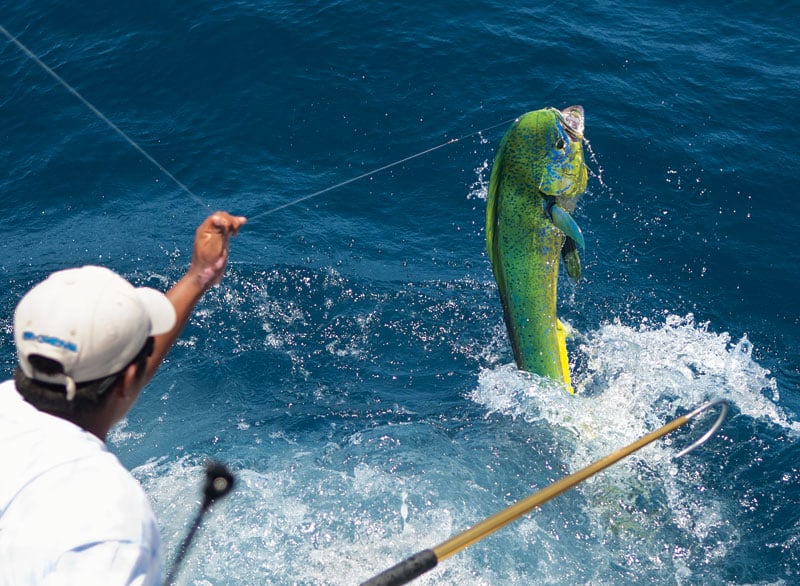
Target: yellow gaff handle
517 510
427 559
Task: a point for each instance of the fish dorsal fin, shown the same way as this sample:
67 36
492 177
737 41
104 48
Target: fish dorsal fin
493 193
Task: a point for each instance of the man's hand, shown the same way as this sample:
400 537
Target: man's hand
209 256
211 242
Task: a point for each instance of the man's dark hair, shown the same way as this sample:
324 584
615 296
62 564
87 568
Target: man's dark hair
89 396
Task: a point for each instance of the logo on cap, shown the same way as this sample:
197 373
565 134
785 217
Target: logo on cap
51 340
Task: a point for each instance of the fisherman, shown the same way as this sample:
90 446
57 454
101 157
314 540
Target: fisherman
87 343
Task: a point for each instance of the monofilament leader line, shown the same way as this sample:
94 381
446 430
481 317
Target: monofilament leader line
196 198
379 169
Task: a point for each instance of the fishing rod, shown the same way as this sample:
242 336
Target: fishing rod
219 482
427 559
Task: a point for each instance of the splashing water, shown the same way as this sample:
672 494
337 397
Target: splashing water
635 380
338 512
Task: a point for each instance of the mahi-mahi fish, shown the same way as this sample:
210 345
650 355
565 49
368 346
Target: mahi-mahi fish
537 176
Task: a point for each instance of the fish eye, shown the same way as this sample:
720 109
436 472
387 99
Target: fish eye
560 144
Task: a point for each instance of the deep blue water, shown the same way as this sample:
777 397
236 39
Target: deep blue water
353 369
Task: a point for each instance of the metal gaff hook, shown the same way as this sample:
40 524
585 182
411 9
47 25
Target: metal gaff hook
723 412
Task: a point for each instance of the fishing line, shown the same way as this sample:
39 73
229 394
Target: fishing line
180 184
99 114
379 169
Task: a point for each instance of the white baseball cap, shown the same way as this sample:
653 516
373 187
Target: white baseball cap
90 320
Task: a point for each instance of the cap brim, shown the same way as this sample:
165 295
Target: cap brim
160 309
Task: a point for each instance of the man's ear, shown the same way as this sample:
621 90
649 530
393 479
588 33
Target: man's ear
127 384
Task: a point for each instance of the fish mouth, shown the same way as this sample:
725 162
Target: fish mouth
571 119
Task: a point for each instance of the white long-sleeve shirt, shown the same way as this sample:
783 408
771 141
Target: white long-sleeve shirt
70 513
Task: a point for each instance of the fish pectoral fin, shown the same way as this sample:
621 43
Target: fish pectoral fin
562 333
564 222
572 261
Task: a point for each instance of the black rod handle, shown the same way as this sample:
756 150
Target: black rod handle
405 571
219 482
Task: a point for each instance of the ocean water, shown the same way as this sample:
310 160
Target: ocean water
352 370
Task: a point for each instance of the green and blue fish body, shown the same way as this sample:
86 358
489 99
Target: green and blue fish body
537 175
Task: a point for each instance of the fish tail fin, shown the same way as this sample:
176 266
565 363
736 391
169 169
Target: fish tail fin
563 359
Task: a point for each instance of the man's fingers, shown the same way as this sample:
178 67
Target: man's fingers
226 223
